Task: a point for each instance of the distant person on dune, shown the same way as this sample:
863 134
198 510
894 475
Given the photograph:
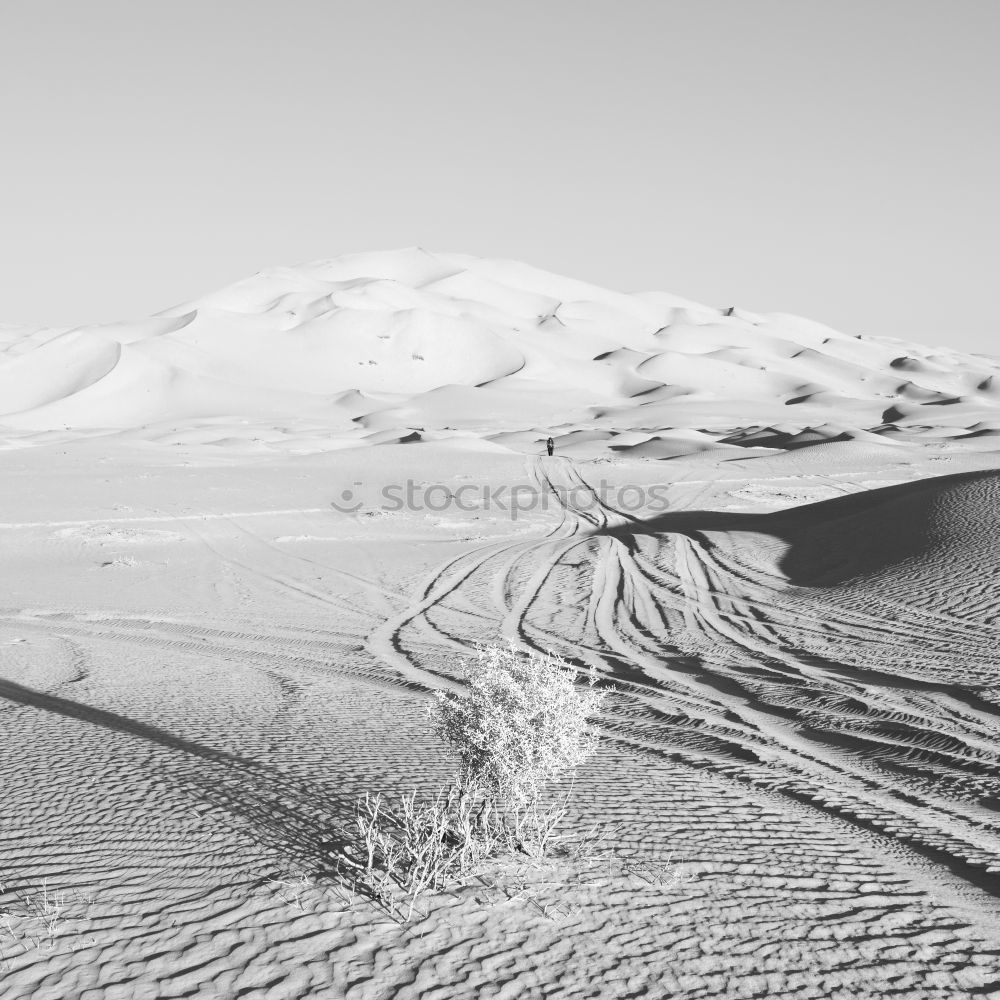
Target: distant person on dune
550 446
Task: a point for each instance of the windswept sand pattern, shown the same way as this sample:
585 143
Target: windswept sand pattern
801 751
726 664
215 635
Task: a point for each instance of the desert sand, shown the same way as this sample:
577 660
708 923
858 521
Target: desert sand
246 538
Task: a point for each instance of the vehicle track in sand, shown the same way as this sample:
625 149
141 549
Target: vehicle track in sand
774 736
729 656
768 685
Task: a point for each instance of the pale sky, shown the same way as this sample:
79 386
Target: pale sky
837 159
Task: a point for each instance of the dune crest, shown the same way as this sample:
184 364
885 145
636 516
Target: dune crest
456 344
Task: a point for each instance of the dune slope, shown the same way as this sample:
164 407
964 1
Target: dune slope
409 329
224 616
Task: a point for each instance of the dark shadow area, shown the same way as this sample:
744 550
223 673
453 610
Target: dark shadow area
969 871
831 541
277 808
22 695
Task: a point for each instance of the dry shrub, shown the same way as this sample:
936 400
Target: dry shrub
521 729
522 725
412 847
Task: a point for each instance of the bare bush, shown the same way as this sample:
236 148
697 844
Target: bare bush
411 847
39 918
520 729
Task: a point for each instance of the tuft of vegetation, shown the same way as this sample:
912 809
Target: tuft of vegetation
411 848
37 919
519 730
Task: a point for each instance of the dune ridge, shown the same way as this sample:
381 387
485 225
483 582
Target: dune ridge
452 345
224 616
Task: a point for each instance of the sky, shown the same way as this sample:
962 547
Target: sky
835 159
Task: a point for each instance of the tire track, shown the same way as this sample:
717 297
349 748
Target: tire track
749 636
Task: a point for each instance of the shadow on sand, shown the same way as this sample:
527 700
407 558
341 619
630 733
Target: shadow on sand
831 541
284 812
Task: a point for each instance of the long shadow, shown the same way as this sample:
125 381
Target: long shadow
832 541
23 695
879 526
278 808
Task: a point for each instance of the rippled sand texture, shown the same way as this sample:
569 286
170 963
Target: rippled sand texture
220 626
801 753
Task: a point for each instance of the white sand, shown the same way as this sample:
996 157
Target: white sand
203 663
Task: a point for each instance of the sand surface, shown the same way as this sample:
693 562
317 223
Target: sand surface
221 621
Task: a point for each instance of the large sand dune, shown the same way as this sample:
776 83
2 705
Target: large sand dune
221 625
409 329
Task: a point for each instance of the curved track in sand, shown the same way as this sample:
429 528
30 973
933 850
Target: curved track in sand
830 794
791 689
